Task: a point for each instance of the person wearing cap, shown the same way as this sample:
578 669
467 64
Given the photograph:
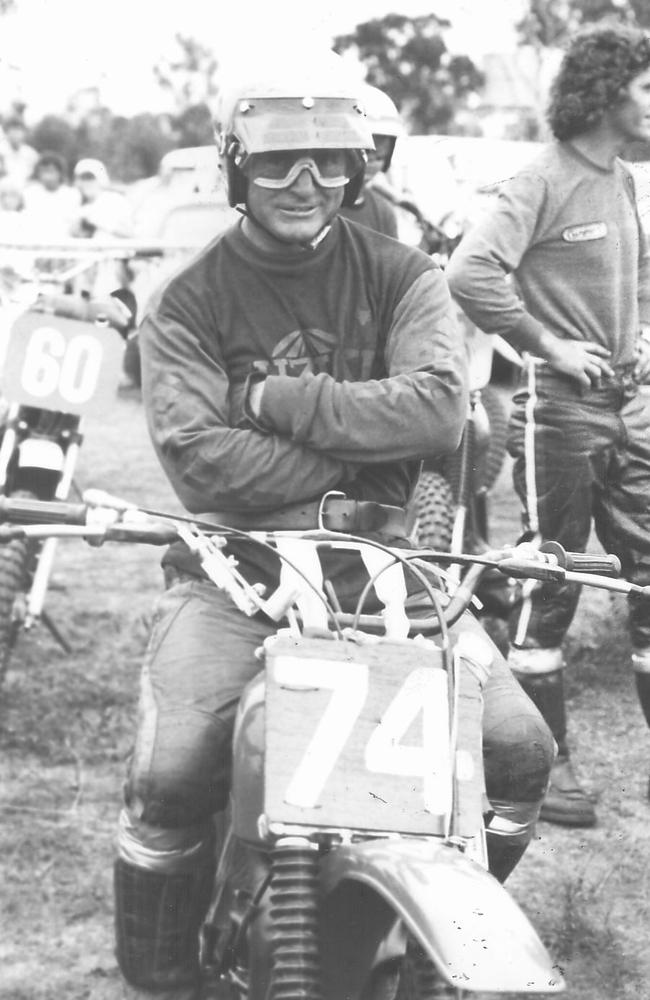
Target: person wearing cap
298 354
567 227
372 208
104 213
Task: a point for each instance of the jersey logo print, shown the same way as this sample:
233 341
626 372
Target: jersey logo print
587 231
316 351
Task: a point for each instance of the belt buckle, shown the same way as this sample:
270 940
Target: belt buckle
321 506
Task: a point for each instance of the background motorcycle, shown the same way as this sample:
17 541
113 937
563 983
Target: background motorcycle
55 372
450 509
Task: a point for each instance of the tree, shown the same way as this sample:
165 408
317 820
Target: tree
194 126
190 77
551 22
409 60
190 80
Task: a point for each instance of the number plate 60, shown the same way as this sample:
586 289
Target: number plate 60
62 364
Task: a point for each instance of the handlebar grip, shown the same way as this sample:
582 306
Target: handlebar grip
20 510
583 562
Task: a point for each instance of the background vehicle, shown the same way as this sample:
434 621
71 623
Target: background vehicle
367 866
186 202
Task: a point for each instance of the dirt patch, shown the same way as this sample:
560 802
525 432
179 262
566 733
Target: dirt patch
66 724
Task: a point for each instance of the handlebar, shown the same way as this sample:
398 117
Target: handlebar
582 562
106 518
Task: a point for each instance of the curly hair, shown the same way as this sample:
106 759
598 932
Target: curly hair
594 75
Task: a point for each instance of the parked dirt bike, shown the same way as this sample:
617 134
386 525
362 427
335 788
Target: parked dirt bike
336 876
451 504
55 372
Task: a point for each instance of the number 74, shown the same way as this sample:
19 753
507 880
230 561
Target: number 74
423 694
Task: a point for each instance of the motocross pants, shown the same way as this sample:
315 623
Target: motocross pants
200 657
582 457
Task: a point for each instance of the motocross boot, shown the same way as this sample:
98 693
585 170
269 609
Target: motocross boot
641 667
566 802
157 921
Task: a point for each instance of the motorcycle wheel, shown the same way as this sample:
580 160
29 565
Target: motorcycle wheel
496 453
419 979
14 563
435 508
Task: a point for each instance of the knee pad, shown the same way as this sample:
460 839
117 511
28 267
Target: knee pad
518 760
182 776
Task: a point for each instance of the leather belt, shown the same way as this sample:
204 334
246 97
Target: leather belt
333 513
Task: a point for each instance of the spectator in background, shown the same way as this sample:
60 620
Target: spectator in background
11 210
19 158
104 212
51 205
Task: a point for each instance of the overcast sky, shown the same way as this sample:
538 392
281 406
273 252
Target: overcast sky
55 47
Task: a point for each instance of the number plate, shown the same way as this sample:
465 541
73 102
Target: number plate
62 364
357 736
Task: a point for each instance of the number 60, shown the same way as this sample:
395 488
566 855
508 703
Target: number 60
54 363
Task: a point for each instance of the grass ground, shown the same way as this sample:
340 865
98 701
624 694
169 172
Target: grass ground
66 723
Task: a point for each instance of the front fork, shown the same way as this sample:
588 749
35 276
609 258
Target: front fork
268 948
41 577
33 609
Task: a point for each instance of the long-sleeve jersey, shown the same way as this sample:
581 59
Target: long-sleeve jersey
569 230
363 363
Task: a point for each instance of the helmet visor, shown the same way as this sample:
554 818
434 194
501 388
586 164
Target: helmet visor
329 168
263 125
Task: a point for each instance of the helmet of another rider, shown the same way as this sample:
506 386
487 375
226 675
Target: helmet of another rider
386 127
310 106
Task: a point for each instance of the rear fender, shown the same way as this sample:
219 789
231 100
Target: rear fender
459 914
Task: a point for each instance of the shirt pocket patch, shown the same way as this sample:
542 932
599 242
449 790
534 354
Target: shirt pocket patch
585 232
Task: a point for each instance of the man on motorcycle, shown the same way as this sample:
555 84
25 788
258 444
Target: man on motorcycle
568 228
370 207
298 354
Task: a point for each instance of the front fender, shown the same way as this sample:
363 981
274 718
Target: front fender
461 916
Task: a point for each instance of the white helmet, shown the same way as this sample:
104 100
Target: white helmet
312 105
383 117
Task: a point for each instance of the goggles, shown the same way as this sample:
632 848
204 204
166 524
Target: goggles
330 168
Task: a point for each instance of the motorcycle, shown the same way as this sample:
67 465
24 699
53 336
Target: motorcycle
352 861
450 508
56 370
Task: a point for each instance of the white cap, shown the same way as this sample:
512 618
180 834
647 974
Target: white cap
93 167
